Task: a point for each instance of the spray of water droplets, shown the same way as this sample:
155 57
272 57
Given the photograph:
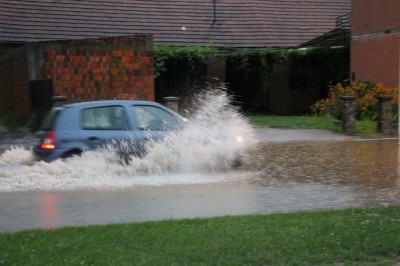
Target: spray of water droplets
209 144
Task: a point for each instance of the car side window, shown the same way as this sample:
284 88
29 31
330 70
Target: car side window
104 118
154 118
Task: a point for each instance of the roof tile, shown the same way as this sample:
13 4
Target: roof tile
251 23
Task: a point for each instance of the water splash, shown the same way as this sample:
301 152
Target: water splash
215 136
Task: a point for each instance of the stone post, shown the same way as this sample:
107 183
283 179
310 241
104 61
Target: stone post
332 110
172 103
348 114
58 100
385 114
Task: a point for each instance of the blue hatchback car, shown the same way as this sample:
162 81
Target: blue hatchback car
70 129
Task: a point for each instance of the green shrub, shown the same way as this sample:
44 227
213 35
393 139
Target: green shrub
10 120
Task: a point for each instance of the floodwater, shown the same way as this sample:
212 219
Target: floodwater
282 177
190 175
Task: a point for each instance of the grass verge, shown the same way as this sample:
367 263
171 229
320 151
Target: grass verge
364 127
346 237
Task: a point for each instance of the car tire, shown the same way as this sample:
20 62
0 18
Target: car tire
72 153
236 163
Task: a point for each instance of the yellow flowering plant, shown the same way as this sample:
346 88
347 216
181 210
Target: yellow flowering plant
366 101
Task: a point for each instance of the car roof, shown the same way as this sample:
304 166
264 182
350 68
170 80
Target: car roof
109 103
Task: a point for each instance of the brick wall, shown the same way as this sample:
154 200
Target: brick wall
376 59
374 16
81 70
100 68
375 44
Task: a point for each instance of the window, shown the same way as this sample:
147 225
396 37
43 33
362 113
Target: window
51 118
104 118
154 118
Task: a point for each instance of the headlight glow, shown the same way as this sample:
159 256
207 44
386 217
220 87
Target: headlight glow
239 139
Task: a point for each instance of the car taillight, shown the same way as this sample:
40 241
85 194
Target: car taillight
49 142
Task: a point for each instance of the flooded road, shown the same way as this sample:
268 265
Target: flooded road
280 177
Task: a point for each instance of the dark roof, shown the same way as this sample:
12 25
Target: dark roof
335 38
339 36
238 23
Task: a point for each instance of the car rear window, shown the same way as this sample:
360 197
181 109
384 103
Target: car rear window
51 118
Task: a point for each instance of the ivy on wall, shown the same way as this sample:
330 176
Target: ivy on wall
180 69
335 61
256 63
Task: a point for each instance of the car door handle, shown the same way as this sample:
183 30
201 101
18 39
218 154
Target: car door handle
93 138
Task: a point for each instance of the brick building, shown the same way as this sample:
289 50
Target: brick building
375 42
225 24
81 70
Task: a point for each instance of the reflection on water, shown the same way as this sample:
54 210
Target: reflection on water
330 174
50 210
359 164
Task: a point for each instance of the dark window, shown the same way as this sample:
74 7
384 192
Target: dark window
51 118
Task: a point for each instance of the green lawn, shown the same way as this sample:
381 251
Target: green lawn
346 237
364 127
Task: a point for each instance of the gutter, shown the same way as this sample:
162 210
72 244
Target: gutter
375 34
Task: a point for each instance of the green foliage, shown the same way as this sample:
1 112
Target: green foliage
335 61
191 54
307 122
363 127
10 120
345 237
180 69
256 64
366 127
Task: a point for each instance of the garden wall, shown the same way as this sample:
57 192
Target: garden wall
14 98
81 70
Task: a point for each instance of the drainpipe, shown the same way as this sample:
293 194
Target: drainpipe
398 104
215 11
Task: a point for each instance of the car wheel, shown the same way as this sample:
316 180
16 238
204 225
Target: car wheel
236 163
72 153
